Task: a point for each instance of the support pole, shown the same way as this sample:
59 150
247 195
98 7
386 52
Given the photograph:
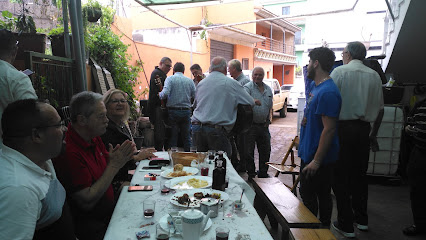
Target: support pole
66 30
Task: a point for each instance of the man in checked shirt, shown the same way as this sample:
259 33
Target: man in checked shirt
259 131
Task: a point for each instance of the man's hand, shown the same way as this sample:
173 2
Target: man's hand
374 145
144 154
120 154
257 102
311 169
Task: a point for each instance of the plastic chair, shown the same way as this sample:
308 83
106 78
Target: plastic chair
292 169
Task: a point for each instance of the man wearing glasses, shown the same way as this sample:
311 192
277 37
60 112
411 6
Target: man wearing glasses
31 197
14 84
155 106
362 104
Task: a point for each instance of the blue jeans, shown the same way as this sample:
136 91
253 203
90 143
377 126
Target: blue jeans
180 120
260 136
210 138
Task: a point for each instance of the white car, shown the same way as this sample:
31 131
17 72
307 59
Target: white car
296 92
279 98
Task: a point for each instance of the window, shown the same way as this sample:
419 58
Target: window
298 37
286 10
245 64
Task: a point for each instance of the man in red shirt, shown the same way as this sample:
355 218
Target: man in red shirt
86 169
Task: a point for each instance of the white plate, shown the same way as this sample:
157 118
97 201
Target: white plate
191 170
194 201
175 181
164 225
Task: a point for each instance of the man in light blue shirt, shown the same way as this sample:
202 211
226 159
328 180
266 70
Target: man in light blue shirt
179 91
215 113
259 131
238 142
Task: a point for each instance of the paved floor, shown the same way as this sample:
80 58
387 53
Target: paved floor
389 201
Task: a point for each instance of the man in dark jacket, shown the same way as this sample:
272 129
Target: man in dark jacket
154 103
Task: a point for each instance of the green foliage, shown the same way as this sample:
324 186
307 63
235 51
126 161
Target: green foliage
25 24
56 31
9 21
44 90
298 71
110 52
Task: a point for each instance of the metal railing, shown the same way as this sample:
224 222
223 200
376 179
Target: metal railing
54 78
276 46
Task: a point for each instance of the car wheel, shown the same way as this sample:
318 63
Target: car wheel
283 111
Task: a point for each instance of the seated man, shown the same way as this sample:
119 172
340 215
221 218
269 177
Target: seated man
87 169
31 197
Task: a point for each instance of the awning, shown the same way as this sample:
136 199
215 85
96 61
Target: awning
165 2
238 34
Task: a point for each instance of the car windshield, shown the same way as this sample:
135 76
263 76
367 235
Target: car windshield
286 87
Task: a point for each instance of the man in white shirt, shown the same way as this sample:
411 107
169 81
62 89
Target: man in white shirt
31 197
362 104
14 84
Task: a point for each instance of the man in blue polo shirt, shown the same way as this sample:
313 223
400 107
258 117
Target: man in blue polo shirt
319 144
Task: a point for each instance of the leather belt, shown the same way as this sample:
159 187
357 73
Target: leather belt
206 125
179 108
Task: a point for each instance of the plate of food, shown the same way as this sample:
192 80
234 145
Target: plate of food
179 171
194 196
190 182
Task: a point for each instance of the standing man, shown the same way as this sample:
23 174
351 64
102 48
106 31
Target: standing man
154 105
179 90
362 104
14 84
198 74
238 142
259 131
319 145
87 169
215 112
31 197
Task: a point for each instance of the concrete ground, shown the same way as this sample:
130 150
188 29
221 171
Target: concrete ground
389 201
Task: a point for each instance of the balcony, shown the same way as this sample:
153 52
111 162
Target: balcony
276 46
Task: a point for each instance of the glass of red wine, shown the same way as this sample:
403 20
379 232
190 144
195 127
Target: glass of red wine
148 208
222 233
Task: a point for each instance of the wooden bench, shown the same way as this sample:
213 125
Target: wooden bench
274 198
311 234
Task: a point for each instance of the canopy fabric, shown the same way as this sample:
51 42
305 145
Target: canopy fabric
165 2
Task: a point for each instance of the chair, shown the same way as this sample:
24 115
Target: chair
66 114
292 169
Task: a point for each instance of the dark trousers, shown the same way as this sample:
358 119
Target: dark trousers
238 143
180 120
159 131
260 136
417 179
350 181
210 138
316 192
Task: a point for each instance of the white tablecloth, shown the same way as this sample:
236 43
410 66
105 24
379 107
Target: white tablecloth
128 214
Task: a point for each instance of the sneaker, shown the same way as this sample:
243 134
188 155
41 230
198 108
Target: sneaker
341 231
361 227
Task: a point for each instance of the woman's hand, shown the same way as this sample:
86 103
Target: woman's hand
144 154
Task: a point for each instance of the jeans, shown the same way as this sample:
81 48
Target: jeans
417 179
260 136
159 131
211 138
350 177
316 192
180 120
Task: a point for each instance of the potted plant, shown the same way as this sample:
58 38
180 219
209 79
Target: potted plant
57 42
92 11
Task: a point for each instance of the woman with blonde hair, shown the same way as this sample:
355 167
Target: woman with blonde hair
118 112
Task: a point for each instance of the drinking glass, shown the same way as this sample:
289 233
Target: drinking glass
222 233
162 234
193 149
148 208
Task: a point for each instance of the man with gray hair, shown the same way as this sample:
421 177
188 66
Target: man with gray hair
14 84
215 108
238 142
87 169
362 104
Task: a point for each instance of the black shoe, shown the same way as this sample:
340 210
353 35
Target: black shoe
263 175
412 231
251 175
345 232
240 169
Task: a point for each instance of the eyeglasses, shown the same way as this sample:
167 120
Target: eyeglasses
168 65
344 52
60 124
116 101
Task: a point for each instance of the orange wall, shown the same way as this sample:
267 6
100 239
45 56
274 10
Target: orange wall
278 73
289 78
233 13
241 52
267 66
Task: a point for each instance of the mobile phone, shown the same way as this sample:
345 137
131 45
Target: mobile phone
139 188
152 167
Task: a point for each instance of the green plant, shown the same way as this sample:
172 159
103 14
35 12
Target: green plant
9 21
109 51
44 90
56 31
298 71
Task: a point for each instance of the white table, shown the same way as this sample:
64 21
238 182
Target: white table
128 214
